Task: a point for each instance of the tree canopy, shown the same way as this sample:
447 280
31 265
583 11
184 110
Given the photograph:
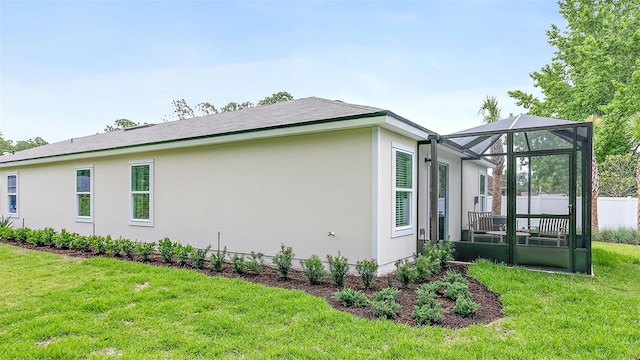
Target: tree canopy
120 124
7 145
595 70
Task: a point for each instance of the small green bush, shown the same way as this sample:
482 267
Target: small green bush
386 294
183 252
426 296
283 261
338 268
405 272
441 251
198 257
126 247
217 259
63 240
457 290
465 306
145 249
238 264
384 303
425 315
351 297
437 287
112 247
166 250
98 244
454 277
7 233
256 262
82 243
367 269
425 267
21 234
313 269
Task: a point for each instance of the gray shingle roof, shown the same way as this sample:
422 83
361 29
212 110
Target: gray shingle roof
284 114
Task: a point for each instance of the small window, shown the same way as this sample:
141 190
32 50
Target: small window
84 193
141 193
403 191
12 195
482 191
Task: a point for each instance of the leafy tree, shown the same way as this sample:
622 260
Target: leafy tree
595 70
276 98
206 108
120 124
233 106
182 110
618 176
5 145
491 113
29 143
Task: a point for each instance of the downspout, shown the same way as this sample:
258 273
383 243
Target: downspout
433 208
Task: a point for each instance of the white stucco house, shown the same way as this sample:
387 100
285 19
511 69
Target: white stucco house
319 175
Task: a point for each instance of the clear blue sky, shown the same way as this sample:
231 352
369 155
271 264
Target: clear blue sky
69 68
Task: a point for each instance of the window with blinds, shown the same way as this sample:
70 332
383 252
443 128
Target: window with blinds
403 191
12 194
84 194
141 193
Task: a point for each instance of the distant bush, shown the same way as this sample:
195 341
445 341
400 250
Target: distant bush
367 269
145 249
351 297
166 250
283 261
256 262
620 235
183 252
313 269
238 264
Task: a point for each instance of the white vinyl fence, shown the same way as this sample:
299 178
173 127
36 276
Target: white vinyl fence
613 213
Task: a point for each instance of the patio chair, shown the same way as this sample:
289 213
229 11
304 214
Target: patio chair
479 224
550 230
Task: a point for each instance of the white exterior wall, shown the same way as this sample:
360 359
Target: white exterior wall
258 194
470 189
390 248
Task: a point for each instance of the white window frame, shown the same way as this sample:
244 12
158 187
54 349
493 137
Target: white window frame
80 218
141 222
482 205
410 228
16 194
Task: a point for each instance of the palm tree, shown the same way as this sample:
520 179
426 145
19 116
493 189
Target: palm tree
491 113
595 182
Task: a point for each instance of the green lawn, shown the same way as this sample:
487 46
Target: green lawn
58 307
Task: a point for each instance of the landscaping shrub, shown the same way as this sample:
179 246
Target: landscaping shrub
426 296
82 243
63 240
98 244
338 268
182 252
111 246
145 249
465 306
405 272
198 257
217 260
238 264
166 249
8 233
126 247
283 261
441 251
457 290
383 303
425 315
437 287
351 297
21 234
367 269
454 277
425 267
41 237
313 269
620 235
256 263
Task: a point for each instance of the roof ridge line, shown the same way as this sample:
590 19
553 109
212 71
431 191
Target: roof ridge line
515 121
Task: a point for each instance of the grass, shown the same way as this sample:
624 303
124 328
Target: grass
619 235
53 306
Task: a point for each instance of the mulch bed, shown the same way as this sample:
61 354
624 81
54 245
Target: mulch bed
490 306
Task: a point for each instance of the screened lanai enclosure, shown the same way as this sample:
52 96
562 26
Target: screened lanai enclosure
533 206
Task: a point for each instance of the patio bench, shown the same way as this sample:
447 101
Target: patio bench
479 224
550 230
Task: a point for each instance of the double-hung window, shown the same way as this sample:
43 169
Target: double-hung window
12 195
84 193
141 193
403 181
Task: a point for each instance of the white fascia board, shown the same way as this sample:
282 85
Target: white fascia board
222 139
402 127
